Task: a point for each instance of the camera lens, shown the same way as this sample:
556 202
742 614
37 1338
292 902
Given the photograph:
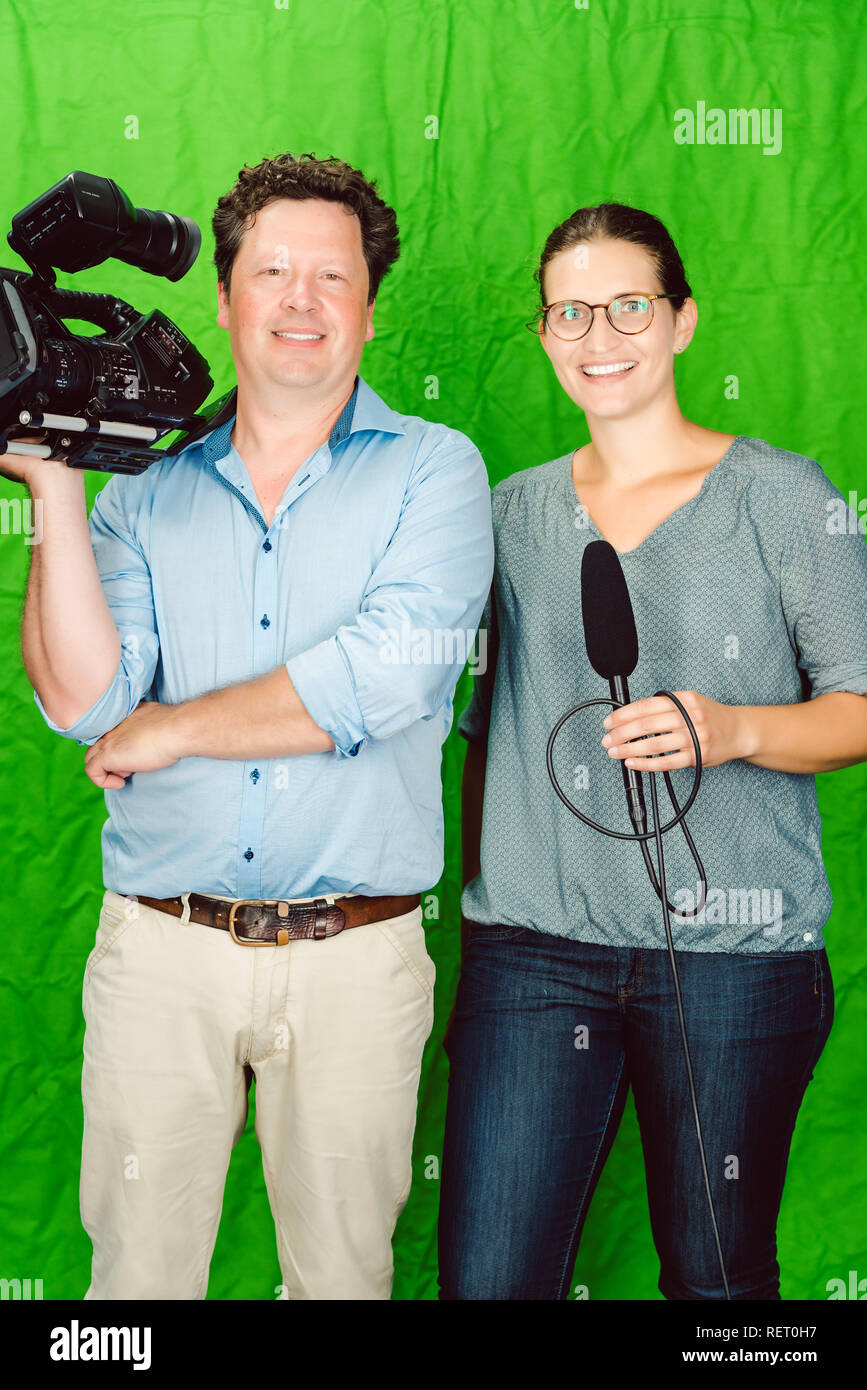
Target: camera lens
162 243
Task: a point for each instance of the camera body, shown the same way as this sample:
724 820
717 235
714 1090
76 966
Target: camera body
101 400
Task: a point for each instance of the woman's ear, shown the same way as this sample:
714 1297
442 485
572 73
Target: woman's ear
543 339
685 322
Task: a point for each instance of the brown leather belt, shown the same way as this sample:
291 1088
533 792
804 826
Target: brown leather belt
273 922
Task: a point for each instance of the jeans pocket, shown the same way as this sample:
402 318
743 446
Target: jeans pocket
406 937
498 931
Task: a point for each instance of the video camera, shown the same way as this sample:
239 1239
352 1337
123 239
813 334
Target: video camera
99 400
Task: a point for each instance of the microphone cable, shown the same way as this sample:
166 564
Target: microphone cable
642 835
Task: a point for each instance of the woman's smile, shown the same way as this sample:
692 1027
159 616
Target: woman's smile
606 372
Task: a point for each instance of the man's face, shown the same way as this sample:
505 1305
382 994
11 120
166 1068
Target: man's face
300 270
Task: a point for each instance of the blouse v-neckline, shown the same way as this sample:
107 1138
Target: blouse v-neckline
690 501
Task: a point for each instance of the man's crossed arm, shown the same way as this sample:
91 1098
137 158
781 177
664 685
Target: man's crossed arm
262 718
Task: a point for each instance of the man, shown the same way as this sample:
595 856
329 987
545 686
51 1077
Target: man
283 779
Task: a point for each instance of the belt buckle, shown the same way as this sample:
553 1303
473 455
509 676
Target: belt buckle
322 926
244 940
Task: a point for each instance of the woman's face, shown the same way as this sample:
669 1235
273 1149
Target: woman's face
595 272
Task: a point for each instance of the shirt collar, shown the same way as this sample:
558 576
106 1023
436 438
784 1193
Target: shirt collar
364 410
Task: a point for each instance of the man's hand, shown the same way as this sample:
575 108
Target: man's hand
143 742
30 469
721 731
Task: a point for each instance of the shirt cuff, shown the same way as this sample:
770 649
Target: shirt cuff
326 689
81 724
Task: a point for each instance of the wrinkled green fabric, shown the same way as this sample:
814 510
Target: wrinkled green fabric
485 126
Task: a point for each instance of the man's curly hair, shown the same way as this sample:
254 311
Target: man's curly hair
300 178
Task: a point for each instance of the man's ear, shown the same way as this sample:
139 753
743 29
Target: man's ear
370 330
222 306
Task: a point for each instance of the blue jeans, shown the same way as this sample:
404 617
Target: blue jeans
546 1037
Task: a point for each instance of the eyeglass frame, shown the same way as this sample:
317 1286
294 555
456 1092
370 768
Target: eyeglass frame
535 324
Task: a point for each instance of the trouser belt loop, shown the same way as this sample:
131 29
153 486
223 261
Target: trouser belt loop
321 905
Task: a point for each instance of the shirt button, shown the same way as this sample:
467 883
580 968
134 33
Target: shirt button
267 545
254 775
265 621
249 855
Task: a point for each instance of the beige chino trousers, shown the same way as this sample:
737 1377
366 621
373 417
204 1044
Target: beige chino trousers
177 1014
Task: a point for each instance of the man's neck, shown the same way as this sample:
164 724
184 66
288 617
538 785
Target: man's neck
263 434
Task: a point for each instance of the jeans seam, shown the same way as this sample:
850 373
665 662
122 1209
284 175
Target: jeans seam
580 1209
627 991
823 992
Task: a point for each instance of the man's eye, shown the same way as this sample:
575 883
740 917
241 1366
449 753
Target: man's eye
276 269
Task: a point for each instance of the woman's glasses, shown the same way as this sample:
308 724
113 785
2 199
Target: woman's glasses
572 318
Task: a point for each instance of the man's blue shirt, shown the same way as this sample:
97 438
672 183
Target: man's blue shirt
368 585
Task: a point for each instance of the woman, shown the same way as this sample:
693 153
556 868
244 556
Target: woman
747 602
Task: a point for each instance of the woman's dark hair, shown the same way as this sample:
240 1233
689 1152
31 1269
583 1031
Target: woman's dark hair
300 178
621 223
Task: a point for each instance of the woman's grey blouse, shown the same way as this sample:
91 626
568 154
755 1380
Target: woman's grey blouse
753 592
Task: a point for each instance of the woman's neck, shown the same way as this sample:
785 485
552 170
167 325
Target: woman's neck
626 453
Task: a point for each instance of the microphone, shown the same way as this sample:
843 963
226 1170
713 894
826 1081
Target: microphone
612 650
612 644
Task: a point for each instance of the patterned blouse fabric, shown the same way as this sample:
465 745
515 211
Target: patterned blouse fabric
753 592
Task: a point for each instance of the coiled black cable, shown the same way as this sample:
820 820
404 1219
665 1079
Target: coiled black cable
642 836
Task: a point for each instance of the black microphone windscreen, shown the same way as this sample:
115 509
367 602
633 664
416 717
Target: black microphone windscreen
609 623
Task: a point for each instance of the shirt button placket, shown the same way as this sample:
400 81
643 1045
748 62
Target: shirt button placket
255 782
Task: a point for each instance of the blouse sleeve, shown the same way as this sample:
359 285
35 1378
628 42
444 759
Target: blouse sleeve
823 584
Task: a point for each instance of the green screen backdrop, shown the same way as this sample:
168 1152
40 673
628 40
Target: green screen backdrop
485 125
